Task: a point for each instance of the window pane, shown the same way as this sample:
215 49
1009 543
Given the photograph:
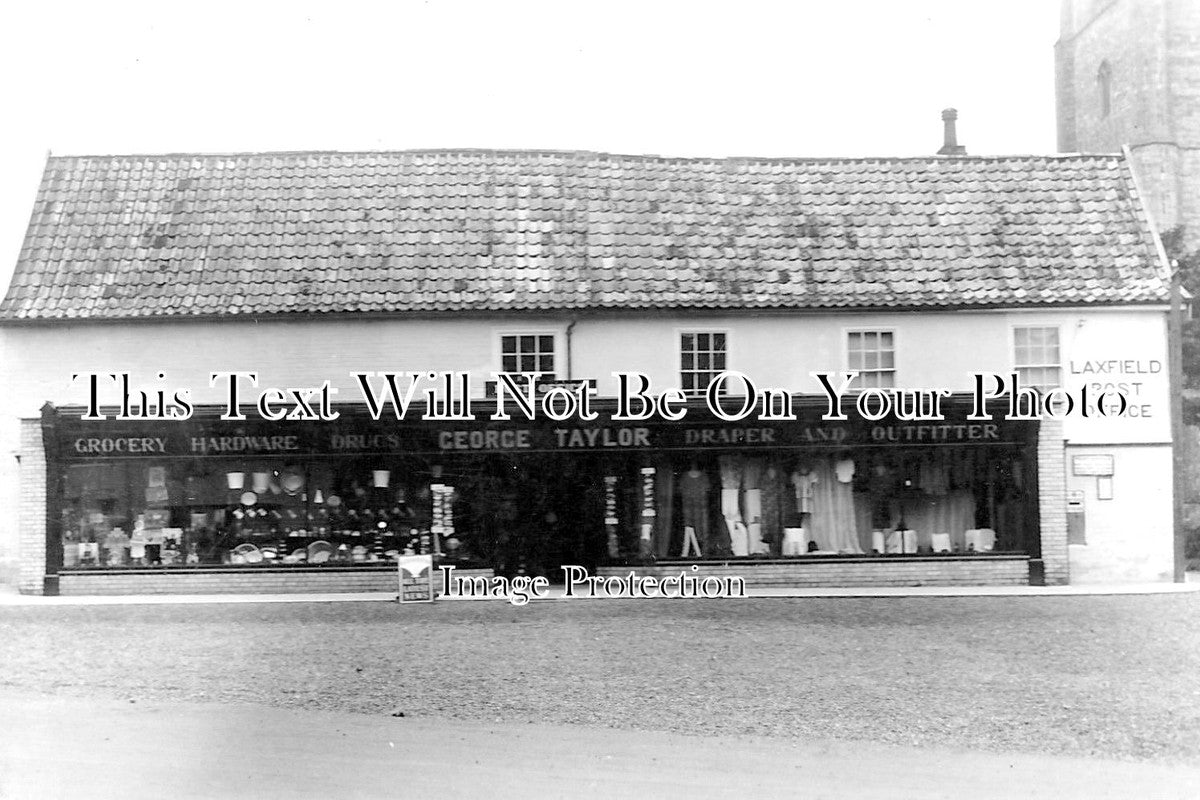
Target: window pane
1037 347
527 352
702 356
872 354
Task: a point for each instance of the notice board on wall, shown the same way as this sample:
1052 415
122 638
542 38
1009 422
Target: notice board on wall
1095 464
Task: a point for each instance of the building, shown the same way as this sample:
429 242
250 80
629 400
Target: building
306 268
1128 74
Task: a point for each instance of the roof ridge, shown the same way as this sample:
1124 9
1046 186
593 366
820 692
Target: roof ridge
600 155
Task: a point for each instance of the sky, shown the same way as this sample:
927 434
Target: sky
745 78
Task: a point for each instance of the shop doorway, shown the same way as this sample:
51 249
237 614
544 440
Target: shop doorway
531 514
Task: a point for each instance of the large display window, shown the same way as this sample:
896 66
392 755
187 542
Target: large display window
528 498
255 511
874 501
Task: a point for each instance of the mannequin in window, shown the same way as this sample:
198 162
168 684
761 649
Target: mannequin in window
752 478
731 490
802 481
772 507
693 488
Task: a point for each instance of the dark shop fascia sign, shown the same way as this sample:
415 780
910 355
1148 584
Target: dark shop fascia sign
78 439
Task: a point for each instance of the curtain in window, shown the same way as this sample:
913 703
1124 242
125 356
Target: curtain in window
952 513
833 521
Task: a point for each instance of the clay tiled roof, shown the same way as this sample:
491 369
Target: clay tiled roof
438 231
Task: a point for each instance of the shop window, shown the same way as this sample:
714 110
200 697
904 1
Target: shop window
254 511
933 500
702 358
873 355
527 352
1037 358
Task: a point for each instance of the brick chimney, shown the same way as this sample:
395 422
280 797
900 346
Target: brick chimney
951 147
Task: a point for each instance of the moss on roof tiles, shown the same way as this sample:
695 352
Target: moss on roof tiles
302 232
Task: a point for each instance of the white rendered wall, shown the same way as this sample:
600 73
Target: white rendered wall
781 350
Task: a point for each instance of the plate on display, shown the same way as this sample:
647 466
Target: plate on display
249 498
333 501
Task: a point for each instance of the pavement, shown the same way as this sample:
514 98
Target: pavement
555 594
76 747
70 746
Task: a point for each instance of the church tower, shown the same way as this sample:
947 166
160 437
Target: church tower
1128 73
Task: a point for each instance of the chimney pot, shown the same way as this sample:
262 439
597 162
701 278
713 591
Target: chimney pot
950 145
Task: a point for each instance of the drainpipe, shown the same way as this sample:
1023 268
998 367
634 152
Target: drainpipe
1175 359
570 329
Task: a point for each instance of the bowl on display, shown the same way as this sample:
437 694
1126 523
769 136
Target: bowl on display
249 498
246 553
319 552
292 482
296 556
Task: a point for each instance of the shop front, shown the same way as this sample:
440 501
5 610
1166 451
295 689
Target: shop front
211 505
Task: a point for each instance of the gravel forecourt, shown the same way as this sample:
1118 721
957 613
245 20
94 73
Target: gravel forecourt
1101 676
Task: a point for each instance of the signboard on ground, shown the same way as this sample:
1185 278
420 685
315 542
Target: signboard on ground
416 579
